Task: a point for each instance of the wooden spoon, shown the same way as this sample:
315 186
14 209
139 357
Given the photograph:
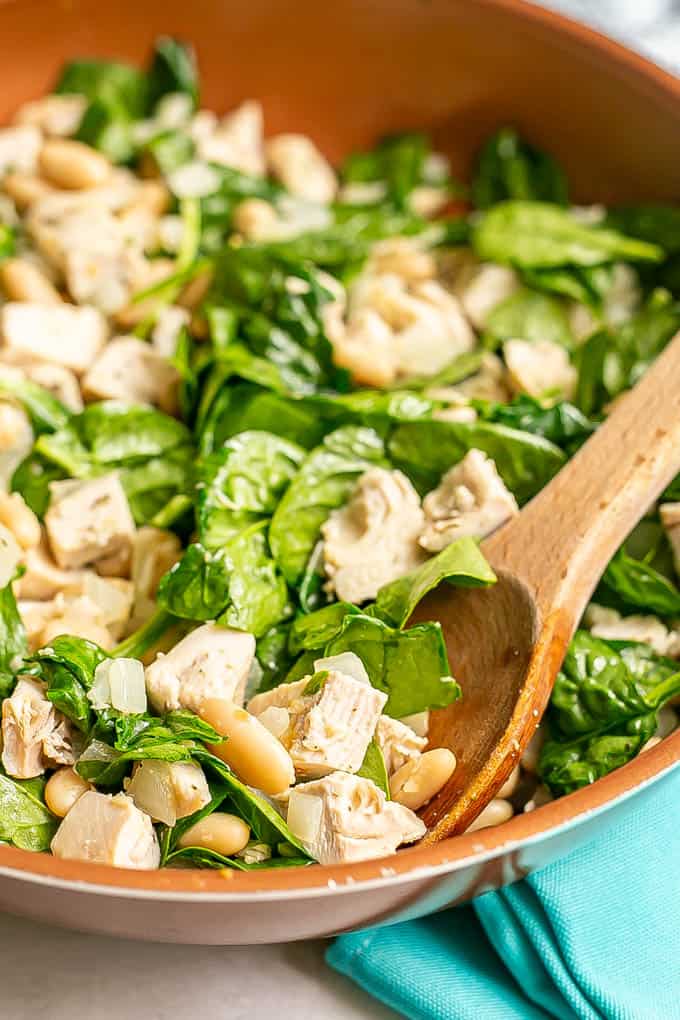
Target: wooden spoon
506 643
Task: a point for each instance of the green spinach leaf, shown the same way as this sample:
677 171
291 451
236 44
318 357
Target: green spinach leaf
25 821
373 768
509 167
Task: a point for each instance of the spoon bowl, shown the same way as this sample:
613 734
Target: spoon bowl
506 643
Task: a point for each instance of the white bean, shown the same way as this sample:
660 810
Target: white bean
63 789
495 813
21 280
510 784
72 165
416 782
223 833
255 755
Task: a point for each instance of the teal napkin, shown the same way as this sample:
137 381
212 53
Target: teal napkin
595 935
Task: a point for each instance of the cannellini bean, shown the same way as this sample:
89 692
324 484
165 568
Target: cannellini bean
20 520
510 784
255 755
24 189
63 789
495 813
418 780
21 280
223 833
532 753
73 166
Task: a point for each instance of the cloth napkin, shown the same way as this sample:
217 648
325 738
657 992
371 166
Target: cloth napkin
595 935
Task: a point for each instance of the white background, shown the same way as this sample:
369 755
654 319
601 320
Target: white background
49 974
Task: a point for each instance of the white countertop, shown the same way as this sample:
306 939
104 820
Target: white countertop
57 975
49 974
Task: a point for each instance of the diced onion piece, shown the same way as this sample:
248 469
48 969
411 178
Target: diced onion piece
255 853
194 180
97 750
347 663
10 554
99 694
173 110
126 683
418 722
152 791
276 719
304 816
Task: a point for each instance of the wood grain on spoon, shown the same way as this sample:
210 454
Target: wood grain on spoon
506 643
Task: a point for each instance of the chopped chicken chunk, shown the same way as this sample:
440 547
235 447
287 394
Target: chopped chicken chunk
343 818
482 287
374 539
366 349
19 148
404 257
211 662
81 616
43 579
398 743
326 730
87 521
60 381
612 626
297 163
107 830
237 140
132 370
59 334
34 734
57 116
471 499
539 367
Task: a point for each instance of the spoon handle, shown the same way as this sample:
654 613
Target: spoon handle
562 541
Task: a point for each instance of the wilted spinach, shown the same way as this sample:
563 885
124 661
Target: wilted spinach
399 162
13 643
426 450
373 768
237 585
529 315
603 710
25 821
461 564
538 235
562 423
635 583
67 667
323 483
510 167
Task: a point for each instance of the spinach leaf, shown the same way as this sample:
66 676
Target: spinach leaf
244 407
342 247
567 766
199 857
603 709
13 643
535 235
242 482
529 315
462 366
378 409
461 564
410 666
47 414
7 241
398 161
278 303
313 631
266 824
610 363
152 452
658 224
274 656
25 821
168 150
373 768
509 167
117 83
32 480
636 583
173 69
67 666
237 585
426 450
562 423
323 483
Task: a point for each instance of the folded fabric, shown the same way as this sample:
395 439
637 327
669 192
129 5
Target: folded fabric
595 936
